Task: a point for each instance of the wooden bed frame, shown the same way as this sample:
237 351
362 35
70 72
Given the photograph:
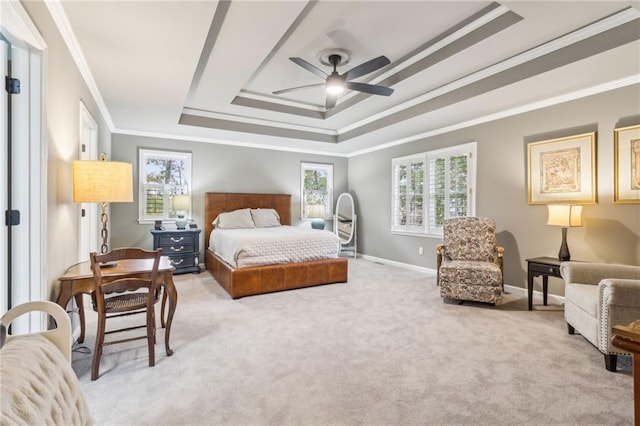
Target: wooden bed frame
239 282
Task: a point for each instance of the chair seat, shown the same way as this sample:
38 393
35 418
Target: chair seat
472 272
125 302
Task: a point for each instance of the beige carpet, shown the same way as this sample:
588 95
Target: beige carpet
381 350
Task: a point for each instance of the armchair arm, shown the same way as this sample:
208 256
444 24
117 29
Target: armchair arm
618 304
593 273
439 249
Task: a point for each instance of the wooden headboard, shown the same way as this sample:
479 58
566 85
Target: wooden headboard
221 202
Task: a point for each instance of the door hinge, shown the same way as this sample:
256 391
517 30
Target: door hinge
83 212
84 148
12 217
12 85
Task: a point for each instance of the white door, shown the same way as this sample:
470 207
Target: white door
23 162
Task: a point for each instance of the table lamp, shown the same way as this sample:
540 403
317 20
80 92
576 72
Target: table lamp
318 213
102 181
564 215
181 204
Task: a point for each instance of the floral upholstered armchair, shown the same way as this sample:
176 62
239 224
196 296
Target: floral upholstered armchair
469 262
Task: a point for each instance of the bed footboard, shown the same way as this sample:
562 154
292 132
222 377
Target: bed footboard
239 282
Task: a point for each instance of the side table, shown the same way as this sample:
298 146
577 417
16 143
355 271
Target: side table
627 337
545 266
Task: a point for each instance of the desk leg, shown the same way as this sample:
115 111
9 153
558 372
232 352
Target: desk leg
545 288
170 289
530 290
80 303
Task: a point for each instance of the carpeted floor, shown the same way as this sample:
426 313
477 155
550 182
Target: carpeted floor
383 349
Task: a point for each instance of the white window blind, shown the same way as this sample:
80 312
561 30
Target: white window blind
162 174
431 187
316 188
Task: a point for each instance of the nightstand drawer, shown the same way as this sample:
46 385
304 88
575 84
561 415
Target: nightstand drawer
176 243
550 270
183 260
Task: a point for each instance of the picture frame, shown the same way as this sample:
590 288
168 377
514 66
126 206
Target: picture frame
626 168
563 170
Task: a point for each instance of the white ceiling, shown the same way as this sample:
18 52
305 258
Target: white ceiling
206 70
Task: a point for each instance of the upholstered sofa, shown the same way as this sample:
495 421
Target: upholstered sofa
597 297
38 385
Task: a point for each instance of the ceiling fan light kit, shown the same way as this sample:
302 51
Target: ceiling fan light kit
336 83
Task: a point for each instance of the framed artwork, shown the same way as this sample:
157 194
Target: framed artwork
562 170
626 146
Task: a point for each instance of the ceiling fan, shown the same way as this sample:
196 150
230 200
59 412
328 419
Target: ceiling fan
336 83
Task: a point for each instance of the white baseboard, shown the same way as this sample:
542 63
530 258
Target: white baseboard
551 298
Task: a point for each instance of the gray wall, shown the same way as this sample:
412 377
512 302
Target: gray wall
219 168
611 232
65 89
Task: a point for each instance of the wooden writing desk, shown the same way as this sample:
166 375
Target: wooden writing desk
627 337
78 279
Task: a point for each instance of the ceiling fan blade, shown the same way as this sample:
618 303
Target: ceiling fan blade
369 88
367 67
311 68
331 101
294 89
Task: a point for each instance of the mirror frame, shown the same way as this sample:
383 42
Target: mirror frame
348 198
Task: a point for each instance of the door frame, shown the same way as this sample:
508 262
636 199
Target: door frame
29 265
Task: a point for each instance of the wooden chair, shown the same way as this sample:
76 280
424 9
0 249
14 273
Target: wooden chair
124 296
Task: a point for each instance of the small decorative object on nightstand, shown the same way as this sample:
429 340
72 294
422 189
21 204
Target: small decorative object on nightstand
181 246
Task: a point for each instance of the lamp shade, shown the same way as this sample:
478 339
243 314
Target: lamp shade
102 182
181 202
565 215
317 210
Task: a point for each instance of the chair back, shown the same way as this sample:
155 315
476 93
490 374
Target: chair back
470 238
126 283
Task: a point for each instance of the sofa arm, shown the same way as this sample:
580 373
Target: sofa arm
618 304
593 273
620 292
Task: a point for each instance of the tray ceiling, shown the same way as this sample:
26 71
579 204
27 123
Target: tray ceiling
206 70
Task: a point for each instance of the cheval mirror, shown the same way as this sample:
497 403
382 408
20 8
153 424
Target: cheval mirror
344 223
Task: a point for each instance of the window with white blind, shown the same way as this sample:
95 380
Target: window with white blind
162 174
429 187
316 188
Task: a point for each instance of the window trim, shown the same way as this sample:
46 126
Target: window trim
143 155
425 230
328 167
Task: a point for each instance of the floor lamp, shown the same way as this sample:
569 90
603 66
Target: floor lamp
102 182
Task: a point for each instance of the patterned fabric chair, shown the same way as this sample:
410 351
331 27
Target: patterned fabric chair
469 262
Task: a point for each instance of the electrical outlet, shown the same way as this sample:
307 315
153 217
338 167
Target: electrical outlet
420 251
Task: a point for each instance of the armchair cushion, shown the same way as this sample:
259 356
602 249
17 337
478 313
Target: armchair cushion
470 238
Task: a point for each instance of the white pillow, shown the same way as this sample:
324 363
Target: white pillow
235 219
265 218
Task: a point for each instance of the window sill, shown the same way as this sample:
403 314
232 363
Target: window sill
416 234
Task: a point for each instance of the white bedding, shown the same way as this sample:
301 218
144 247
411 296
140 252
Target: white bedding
266 246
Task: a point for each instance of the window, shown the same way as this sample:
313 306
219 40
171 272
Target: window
316 190
430 187
163 174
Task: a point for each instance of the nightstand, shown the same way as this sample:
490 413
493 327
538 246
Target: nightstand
181 246
545 266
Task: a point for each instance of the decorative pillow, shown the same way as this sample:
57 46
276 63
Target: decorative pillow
265 218
235 219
